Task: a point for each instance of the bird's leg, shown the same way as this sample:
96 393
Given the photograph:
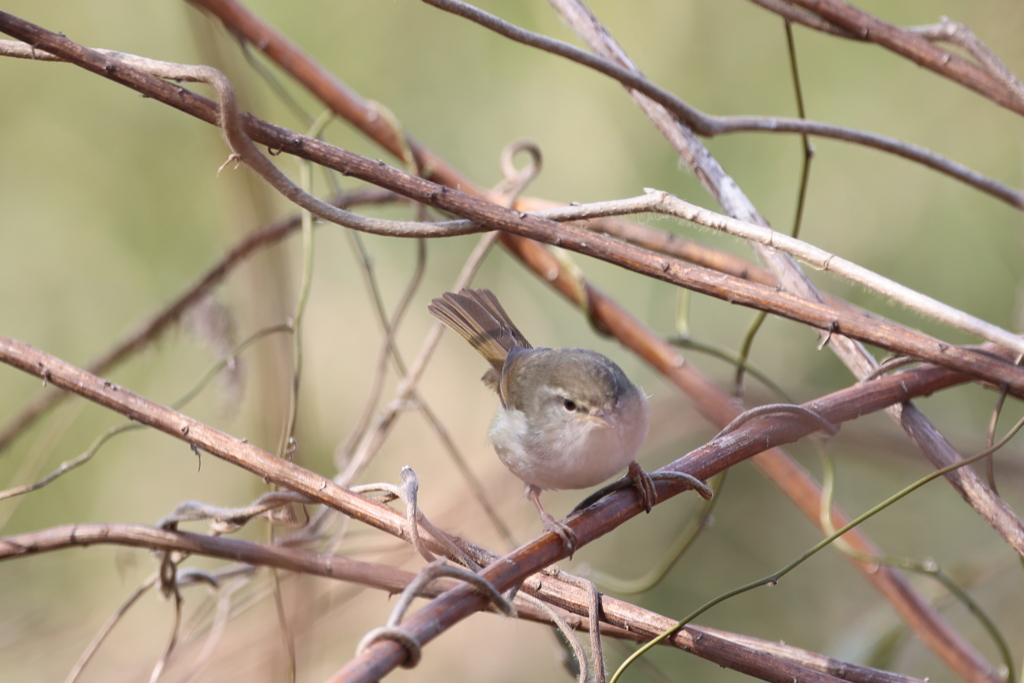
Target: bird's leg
559 528
644 485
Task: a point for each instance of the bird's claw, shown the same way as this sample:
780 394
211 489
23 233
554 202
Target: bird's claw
562 530
644 485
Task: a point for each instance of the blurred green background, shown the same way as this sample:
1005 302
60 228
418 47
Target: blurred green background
111 205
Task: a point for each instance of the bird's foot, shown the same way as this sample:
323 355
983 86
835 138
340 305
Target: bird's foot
562 530
644 485
557 527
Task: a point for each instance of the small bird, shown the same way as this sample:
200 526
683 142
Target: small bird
567 419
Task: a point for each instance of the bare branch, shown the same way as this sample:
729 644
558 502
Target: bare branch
800 15
641 624
708 125
962 36
849 324
916 48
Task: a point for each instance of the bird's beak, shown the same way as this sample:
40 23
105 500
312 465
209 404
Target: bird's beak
602 417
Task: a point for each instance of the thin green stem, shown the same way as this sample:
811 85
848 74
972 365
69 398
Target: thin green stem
926 568
102 439
805 174
744 355
773 579
729 357
808 148
212 371
42 448
69 465
306 180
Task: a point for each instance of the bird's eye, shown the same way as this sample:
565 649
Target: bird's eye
569 404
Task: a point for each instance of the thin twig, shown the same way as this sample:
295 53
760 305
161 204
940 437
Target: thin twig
102 634
375 437
666 204
393 580
225 592
962 36
708 125
917 48
801 16
172 641
69 465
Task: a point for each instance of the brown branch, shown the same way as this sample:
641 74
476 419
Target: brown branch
692 638
916 48
371 574
197 435
799 15
380 576
883 143
365 670
962 36
850 324
944 31
720 647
